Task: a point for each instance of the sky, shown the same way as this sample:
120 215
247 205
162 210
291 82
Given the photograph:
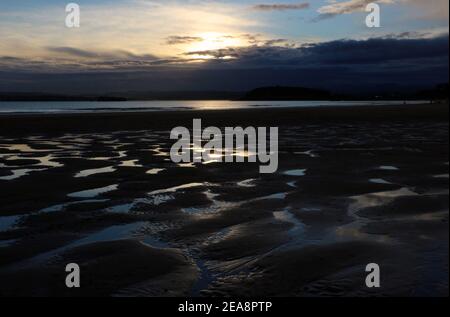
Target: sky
142 45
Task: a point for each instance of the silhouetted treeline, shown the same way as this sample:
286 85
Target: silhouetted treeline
440 92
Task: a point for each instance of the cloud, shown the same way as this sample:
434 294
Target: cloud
397 48
70 59
136 25
281 7
252 38
80 54
400 49
276 42
431 10
436 9
405 59
75 52
346 7
176 39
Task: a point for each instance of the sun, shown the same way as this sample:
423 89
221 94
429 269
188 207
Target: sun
212 41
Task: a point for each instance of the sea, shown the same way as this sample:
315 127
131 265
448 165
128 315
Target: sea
8 107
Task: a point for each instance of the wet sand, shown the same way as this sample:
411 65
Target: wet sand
354 186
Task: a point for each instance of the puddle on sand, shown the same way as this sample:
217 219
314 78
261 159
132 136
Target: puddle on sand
311 209
353 230
46 161
298 172
239 153
19 173
215 207
121 154
211 158
121 209
388 168
280 196
91 193
160 199
186 165
130 163
98 158
86 173
377 199
21 148
219 235
9 222
155 243
286 216
218 205
310 153
160 152
206 277
155 171
292 184
155 200
379 181
440 215
247 183
39 141
61 207
176 188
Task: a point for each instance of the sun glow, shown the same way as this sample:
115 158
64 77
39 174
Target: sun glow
212 41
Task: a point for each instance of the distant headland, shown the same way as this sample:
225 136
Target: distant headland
271 93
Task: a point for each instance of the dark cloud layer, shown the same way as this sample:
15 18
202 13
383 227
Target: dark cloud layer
86 54
176 39
281 7
377 52
346 65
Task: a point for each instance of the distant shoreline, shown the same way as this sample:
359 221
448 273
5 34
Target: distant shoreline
26 124
46 108
269 93
104 100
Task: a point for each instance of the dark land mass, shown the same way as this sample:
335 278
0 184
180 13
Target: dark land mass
289 93
277 93
440 92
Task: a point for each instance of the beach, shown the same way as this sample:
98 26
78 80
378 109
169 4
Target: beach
355 185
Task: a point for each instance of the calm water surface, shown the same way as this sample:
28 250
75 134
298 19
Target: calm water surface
90 106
